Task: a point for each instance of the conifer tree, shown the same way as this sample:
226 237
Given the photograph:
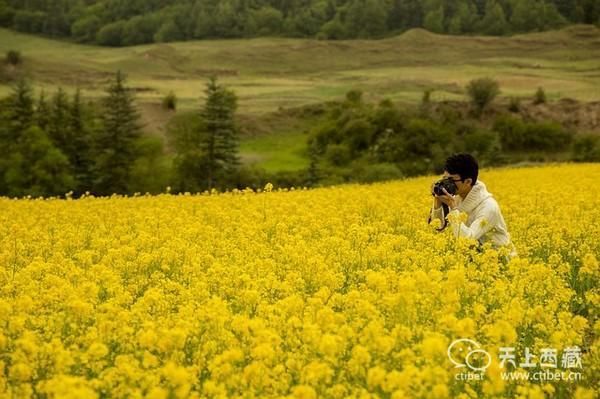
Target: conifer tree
220 141
120 129
82 134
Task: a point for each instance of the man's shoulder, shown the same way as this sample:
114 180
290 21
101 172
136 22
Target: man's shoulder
490 205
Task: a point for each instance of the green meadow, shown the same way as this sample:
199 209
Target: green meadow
270 75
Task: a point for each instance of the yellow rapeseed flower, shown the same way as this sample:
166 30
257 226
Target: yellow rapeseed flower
340 292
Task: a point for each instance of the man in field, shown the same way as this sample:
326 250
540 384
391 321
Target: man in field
484 219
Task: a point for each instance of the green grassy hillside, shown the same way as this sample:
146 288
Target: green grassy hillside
268 74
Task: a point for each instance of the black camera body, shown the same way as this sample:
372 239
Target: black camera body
447 183
437 190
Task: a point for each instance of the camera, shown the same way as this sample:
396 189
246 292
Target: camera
446 183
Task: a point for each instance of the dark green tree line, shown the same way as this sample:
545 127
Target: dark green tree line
59 144
120 23
31 164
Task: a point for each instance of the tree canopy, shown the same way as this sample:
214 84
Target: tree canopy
120 23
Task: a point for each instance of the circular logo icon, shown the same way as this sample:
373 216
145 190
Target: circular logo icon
465 352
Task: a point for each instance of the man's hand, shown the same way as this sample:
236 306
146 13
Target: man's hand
447 199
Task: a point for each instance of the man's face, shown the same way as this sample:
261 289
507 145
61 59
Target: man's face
463 186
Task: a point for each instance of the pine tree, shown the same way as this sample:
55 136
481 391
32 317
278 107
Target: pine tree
220 143
313 172
17 115
20 112
42 112
116 139
58 129
82 157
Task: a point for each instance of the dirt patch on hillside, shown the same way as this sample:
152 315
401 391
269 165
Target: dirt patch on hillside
572 114
154 117
569 112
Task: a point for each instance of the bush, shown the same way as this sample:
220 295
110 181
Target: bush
140 29
415 167
369 173
516 135
268 20
30 21
338 154
354 96
480 143
540 96
13 57
169 102
324 135
420 137
587 148
511 131
482 92
288 179
514 105
6 14
547 136
333 29
449 115
151 171
85 29
358 133
426 98
169 31
111 34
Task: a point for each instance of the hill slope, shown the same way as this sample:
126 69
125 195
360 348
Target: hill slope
269 73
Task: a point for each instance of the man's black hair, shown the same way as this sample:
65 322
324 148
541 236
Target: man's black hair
464 165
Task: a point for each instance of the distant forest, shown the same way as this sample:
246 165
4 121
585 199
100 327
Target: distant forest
130 22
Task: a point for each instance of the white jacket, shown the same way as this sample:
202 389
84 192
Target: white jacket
484 219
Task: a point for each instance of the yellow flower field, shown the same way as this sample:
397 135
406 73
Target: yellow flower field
340 292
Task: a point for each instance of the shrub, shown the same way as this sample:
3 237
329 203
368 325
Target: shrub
13 57
548 136
540 96
480 142
338 154
170 101
358 134
517 135
85 29
426 99
111 34
482 92
514 105
511 131
586 148
421 135
354 96
368 172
